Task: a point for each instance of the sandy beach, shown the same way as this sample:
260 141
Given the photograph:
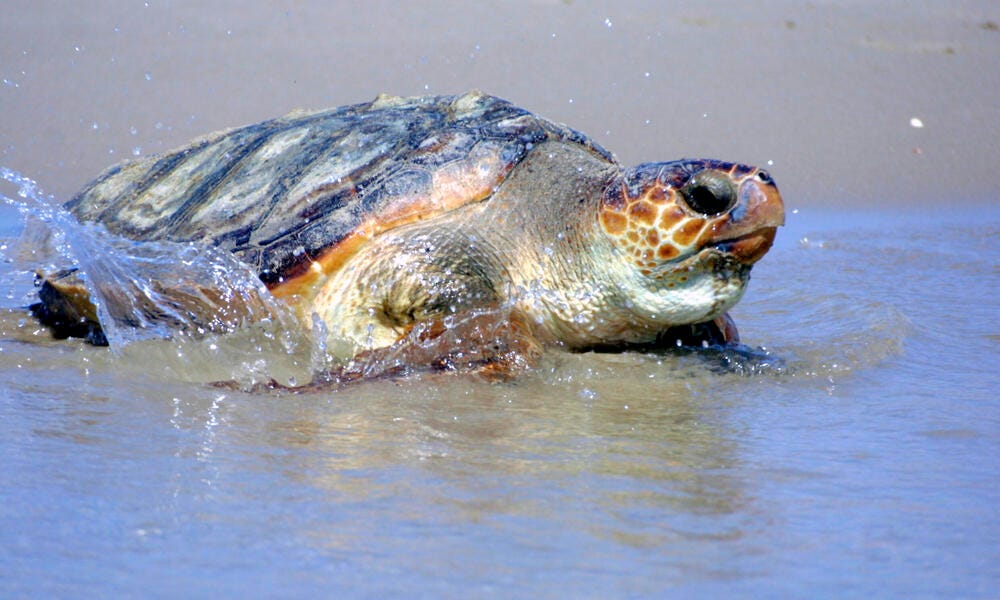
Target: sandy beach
848 102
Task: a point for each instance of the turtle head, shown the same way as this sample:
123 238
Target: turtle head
691 229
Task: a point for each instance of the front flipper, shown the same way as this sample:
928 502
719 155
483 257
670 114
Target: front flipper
720 331
717 344
494 343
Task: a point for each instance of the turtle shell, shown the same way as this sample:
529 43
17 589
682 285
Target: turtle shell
289 195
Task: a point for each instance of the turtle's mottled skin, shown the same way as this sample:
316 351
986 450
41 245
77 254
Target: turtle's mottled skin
380 216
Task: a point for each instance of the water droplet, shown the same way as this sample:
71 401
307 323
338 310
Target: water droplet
133 130
94 126
607 23
137 151
148 76
916 123
646 74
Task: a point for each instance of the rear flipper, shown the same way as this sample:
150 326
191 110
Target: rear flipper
65 307
145 308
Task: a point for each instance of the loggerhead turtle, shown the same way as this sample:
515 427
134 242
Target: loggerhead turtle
403 219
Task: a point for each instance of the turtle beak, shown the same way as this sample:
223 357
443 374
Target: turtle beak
748 230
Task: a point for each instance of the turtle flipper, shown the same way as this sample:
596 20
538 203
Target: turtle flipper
720 331
65 307
175 301
493 343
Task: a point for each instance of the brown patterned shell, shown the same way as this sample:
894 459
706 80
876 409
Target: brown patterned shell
284 193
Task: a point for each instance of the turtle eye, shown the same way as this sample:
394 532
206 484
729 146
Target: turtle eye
709 193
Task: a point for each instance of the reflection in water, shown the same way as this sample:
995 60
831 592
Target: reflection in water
481 452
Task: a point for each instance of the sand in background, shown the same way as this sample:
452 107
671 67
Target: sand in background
850 102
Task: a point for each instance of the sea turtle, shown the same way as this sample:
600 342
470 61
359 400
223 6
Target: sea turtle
399 220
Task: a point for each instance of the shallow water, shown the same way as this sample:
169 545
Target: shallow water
864 464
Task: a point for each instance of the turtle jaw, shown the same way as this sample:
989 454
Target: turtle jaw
747 232
749 248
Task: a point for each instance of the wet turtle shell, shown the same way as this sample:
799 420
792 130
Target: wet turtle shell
286 193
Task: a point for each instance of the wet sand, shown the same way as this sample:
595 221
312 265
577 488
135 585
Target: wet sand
848 102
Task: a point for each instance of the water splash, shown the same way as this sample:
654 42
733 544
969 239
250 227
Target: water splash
143 290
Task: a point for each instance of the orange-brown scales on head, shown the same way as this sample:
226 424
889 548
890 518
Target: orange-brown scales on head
662 213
